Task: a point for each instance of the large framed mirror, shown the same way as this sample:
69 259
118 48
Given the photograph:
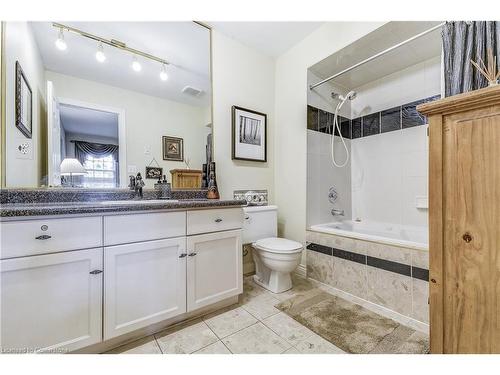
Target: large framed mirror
106 94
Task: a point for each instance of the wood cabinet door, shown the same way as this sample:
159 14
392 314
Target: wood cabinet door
51 302
471 253
144 283
214 268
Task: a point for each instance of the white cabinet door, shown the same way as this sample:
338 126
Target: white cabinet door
51 302
214 268
144 283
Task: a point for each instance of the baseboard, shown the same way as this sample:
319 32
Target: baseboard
301 271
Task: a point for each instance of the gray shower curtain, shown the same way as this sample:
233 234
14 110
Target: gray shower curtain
463 41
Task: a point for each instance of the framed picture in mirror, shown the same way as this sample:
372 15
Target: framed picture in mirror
173 148
154 172
249 133
24 105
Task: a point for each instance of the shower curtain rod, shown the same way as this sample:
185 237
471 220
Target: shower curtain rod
376 55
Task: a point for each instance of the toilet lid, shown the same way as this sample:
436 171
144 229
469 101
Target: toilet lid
278 245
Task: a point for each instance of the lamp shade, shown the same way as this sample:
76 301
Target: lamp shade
73 167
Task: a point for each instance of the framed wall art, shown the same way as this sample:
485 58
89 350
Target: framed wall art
249 135
173 148
24 105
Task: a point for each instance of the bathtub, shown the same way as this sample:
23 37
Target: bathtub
390 234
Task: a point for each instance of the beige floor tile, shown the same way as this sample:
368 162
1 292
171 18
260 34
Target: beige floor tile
315 344
291 351
215 348
147 345
256 339
288 328
230 322
186 340
262 306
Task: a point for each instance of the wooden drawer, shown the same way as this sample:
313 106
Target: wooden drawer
31 237
206 221
121 229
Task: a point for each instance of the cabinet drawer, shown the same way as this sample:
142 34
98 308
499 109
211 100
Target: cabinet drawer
121 229
206 221
31 237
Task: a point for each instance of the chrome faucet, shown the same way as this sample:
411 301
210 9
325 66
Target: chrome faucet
336 212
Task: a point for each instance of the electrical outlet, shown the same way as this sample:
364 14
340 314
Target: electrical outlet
24 149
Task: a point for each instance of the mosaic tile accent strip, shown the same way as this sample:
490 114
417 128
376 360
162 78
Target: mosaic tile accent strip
384 264
371 124
390 120
396 118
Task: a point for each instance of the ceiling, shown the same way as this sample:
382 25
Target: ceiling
186 45
88 121
270 38
388 35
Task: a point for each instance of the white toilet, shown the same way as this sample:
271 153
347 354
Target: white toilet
275 258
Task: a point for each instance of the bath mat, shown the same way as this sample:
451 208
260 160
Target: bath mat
351 327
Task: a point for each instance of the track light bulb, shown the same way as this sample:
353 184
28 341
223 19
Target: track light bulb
163 73
99 55
136 65
60 42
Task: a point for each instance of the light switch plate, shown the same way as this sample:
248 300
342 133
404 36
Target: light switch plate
24 149
132 169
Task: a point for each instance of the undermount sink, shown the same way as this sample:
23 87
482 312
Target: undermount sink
143 201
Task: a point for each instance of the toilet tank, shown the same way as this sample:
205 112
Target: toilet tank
260 222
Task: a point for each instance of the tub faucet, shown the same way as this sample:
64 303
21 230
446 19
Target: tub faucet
336 212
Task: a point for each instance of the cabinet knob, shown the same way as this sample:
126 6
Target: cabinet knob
218 220
43 237
191 254
95 272
183 255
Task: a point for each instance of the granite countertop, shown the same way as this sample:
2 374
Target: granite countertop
103 207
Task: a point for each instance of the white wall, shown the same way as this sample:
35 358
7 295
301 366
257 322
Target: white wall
20 46
291 117
147 119
243 77
405 86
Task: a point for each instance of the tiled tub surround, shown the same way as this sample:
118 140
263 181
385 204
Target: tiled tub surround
393 277
396 118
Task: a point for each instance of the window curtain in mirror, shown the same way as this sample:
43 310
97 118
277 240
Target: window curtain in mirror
463 42
97 150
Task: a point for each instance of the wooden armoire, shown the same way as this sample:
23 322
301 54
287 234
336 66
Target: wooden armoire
464 222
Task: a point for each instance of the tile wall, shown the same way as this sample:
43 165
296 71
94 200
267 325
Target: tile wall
390 276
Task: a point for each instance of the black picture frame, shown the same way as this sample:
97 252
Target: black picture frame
172 148
154 173
234 135
25 125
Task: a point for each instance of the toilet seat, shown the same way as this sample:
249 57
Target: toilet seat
278 245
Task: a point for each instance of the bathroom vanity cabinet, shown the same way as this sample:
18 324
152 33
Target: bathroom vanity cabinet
67 283
464 222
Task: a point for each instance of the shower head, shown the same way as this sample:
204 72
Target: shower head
351 95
